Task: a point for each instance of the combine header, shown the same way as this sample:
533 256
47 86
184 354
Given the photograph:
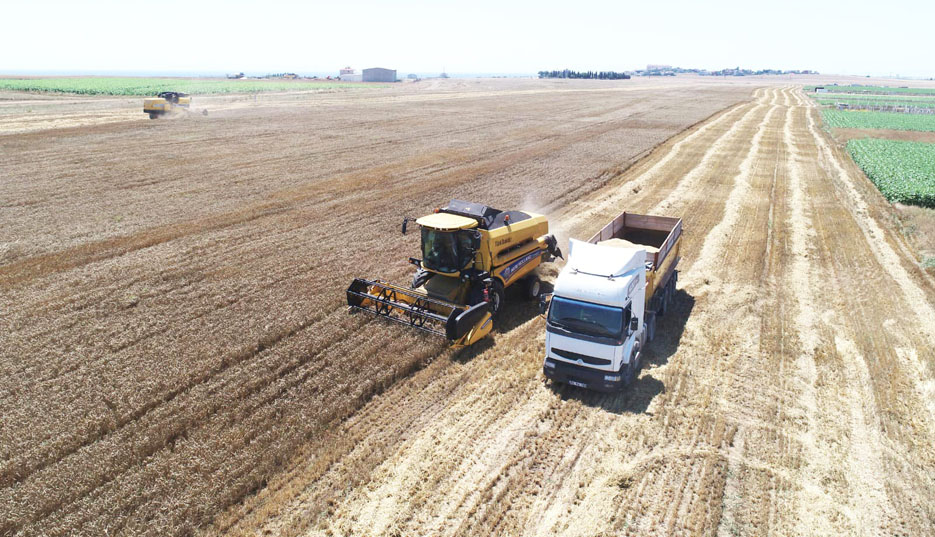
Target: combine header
470 254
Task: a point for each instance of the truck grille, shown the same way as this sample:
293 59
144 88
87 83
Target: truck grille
583 357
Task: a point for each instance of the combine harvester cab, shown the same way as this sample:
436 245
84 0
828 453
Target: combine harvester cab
470 254
606 300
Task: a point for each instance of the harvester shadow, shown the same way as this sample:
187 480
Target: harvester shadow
636 398
517 309
467 354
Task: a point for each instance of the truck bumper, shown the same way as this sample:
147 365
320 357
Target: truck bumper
582 377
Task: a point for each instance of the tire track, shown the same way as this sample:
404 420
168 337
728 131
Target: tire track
855 369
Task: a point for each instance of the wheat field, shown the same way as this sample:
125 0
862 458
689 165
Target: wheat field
177 357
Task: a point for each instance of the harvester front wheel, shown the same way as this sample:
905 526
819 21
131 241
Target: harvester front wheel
153 116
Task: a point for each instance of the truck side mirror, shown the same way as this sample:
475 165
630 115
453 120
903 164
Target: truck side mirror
634 324
544 301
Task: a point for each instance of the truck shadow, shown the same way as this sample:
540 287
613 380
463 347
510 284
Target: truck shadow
636 398
669 329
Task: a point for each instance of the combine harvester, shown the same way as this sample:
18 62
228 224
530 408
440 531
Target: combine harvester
470 254
168 102
606 299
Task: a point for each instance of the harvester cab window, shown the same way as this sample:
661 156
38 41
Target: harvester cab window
465 248
440 250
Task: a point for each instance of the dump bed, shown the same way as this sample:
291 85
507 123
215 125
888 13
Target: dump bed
660 236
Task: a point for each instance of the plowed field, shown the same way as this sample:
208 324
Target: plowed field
176 354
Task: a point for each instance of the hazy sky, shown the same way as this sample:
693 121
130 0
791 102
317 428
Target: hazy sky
480 36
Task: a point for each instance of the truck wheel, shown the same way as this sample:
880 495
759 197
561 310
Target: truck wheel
532 286
663 302
650 327
496 297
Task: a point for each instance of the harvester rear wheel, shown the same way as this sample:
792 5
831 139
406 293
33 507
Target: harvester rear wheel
533 286
496 297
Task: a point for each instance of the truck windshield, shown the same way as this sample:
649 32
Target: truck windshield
445 251
586 318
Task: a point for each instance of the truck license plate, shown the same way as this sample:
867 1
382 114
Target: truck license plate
578 384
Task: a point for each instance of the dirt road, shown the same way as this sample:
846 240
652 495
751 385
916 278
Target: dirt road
791 392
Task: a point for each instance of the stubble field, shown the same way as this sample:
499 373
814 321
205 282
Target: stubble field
177 358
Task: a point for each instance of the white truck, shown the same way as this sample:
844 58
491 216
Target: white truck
606 299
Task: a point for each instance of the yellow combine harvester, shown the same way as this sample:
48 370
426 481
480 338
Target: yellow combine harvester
470 254
167 102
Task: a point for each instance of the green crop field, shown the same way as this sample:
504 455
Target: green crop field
152 86
903 171
881 100
861 119
876 90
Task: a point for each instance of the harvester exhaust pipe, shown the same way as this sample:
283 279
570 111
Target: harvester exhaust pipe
406 221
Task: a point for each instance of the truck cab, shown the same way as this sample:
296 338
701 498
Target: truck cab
595 320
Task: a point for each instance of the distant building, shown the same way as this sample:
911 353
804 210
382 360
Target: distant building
658 67
351 78
347 71
820 89
379 74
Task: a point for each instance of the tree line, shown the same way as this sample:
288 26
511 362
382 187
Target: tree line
568 73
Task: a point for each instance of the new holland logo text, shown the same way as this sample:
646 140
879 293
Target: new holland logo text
518 264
